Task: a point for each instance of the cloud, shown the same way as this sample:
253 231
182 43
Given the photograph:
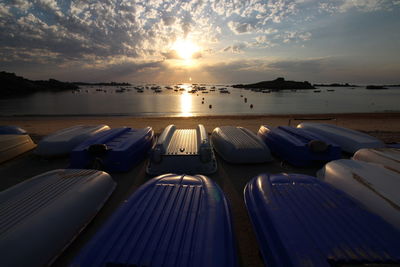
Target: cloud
140 30
342 6
263 41
236 48
304 65
240 28
73 33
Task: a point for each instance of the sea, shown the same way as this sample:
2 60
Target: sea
209 100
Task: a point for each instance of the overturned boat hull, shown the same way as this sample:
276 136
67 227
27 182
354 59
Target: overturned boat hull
172 220
302 221
13 145
371 184
40 217
61 143
239 145
349 140
10 129
182 151
387 157
298 146
122 149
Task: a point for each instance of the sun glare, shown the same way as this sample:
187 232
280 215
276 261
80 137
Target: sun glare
186 104
185 49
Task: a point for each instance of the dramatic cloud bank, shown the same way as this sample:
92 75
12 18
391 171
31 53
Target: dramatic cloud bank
125 39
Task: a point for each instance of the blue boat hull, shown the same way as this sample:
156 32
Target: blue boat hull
293 145
299 219
125 147
9 129
172 220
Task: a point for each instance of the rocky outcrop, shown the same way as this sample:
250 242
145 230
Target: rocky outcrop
13 85
277 84
375 87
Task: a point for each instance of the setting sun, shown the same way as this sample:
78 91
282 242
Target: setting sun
185 49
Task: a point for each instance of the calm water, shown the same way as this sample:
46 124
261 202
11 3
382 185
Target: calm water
92 101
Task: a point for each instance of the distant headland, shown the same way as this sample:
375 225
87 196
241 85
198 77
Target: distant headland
13 85
376 87
335 85
103 84
277 84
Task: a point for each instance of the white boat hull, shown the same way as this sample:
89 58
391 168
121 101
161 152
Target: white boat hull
239 145
40 217
61 143
13 145
183 151
373 185
387 157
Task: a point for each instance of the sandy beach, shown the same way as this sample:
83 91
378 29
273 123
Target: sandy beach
231 178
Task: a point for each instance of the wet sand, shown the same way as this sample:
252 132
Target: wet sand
231 178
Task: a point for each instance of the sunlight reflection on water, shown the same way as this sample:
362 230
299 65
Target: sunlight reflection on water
186 105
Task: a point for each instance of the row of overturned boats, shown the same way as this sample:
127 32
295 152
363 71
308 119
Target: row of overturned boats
348 214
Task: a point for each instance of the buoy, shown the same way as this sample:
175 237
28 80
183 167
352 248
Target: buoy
203 98
245 100
210 106
202 102
251 105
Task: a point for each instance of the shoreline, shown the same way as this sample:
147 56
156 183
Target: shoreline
39 126
346 114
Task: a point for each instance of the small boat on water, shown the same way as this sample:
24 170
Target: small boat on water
10 129
298 146
182 151
41 216
172 220
239 145
62 142
115 150
349 140
387 157
373 185
13 145
302 221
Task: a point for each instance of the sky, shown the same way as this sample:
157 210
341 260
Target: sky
220 41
